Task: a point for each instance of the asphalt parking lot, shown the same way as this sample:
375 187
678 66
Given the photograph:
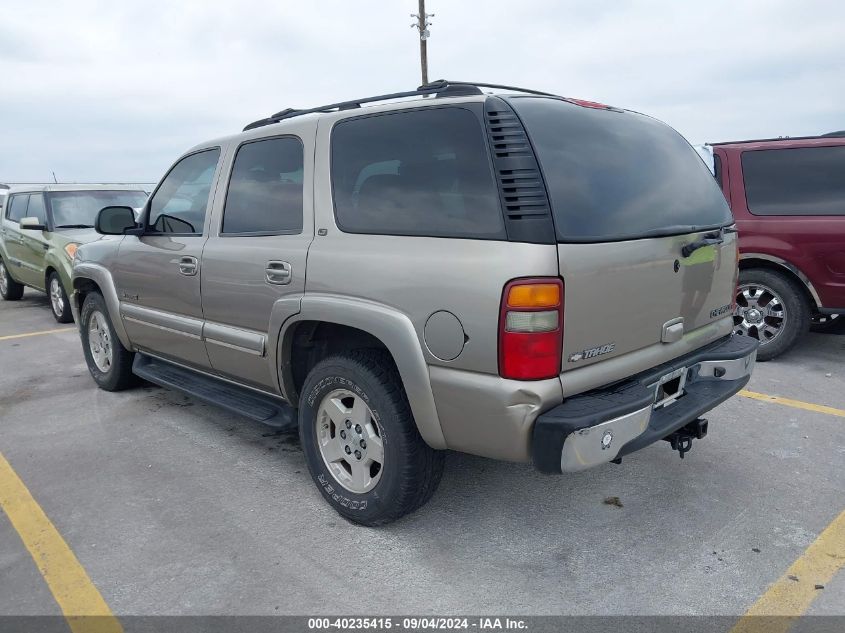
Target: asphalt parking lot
175 507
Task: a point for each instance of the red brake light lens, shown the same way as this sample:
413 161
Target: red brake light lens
531 329
589 104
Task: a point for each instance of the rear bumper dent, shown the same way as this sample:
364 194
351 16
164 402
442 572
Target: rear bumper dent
599 426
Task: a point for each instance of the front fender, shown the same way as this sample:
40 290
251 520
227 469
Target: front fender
391 327
102 277
58 260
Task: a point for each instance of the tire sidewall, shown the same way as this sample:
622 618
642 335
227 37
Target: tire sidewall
95 303
65 316
13 288
344 374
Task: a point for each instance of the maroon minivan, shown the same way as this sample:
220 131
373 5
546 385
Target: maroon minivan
788 198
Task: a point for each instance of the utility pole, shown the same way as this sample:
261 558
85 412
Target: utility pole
422 25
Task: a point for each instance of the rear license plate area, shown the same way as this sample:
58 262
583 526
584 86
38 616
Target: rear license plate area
669 388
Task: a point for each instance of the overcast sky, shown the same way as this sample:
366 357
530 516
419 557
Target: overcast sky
115 91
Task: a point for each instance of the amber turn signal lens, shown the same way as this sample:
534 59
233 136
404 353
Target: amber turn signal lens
70 249
534 296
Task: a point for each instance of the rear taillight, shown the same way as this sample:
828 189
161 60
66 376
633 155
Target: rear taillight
531 329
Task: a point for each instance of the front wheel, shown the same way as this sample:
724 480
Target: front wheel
58 299
10 289
360 440
772 309
108 361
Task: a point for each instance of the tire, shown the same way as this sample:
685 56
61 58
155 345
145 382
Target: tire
10 289
771 293
116 374
365 385
59 304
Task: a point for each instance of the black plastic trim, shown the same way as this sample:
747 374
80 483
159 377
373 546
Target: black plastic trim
251 404
522 190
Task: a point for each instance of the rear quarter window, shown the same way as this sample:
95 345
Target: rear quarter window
795 181
422 172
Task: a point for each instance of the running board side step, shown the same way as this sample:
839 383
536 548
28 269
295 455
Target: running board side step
253 405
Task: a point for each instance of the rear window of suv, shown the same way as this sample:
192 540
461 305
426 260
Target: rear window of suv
796 181
416 172
615 175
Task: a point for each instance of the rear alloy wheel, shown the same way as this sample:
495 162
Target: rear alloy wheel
10 289
360 439
771 309
58 299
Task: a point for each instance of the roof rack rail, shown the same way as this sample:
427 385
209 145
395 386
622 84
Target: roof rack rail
440 88
839 134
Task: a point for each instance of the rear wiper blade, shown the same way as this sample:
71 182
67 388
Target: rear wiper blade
75 226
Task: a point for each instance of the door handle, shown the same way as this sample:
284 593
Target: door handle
188 265
278 273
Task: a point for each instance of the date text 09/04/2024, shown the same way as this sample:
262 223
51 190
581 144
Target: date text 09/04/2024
418 623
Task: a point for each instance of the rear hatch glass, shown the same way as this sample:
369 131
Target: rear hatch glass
617 175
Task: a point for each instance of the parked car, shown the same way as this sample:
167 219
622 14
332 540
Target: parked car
41 230
788 198
514 275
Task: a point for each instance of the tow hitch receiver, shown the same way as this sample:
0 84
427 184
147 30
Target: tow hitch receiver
681 440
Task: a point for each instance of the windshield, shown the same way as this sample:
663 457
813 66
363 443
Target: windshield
615 175
79 209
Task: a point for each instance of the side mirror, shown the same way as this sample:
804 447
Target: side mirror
115 220
32 224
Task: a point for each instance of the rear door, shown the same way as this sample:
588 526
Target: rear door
33 244
253 266
628 193
158 273
16 207
795 203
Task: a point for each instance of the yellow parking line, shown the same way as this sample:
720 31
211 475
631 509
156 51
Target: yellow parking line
77 596
794 592
24 335
807 406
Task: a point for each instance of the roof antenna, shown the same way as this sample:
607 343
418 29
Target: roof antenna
55 180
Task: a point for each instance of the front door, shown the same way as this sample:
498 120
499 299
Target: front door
158 273
253 265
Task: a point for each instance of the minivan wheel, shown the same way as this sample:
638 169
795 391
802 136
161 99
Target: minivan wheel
772 309
361 442
108 361
10 289
58 299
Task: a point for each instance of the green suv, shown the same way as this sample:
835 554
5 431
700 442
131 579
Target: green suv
41 229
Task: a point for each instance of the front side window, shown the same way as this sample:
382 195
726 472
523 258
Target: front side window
799 181
265 189
421 172
79 209
36 208
181 201
17 207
